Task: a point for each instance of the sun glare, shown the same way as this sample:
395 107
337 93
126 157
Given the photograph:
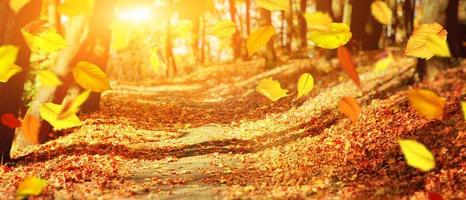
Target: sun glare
135 15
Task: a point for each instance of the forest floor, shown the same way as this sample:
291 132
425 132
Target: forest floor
209 135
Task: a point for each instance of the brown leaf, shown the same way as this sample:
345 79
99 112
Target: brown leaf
348 65
349 107
30 126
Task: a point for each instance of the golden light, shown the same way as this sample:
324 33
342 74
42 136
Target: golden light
135 15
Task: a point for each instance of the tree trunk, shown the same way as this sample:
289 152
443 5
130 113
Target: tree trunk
302 24
236 39
325 6
248 17
289 25
266 20
171 62
454 30
366 30
11 92
409 8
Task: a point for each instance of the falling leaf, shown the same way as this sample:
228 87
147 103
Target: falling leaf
305 84
349 106
273 5
76 7
30 128
90 77
121 35
259 38
8 68
318 21
383 64
41 36
48 78
16 5
381 12
427 103
223 29
271 89
50 112
337 36
10 120
417 155
428 40
72 107
31 186
346 61
463 106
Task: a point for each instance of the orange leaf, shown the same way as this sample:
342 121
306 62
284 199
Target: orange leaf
348 65
10 120
427 103
350 107
30 127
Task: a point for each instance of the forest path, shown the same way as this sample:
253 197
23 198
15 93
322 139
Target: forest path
210 135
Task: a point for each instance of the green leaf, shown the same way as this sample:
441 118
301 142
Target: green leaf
417 155
49 112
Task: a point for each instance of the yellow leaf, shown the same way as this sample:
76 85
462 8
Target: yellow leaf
31 186
271 89
338 36
349 106
305 84
417 155
72 107
318 21
428 40
30 126
426 103
48 78
16 5
121 35
383 64
90 77
273 5
76 7
223 29
49 112
41 36
463 106
8 68
381 12
259 38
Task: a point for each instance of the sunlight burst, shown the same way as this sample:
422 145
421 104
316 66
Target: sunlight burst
135 15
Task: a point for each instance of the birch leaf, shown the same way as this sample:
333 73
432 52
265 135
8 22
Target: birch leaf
50 112
417 155
346 61
223 29
16 5
42 37
381 12
30 126
349 106
8 68
427 41
318 21
90 77
31 186
48 78
271 89
427 103
259 38
72 107
76 7
305 84
338 35
273 5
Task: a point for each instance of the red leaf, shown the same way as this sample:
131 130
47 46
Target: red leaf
348 65
10 120
434 196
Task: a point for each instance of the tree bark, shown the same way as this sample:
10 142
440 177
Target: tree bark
266 20
11 92
302 24
366 30
325 6
248 17
236 39
289 23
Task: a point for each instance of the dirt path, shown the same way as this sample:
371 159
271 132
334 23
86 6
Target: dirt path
209 135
